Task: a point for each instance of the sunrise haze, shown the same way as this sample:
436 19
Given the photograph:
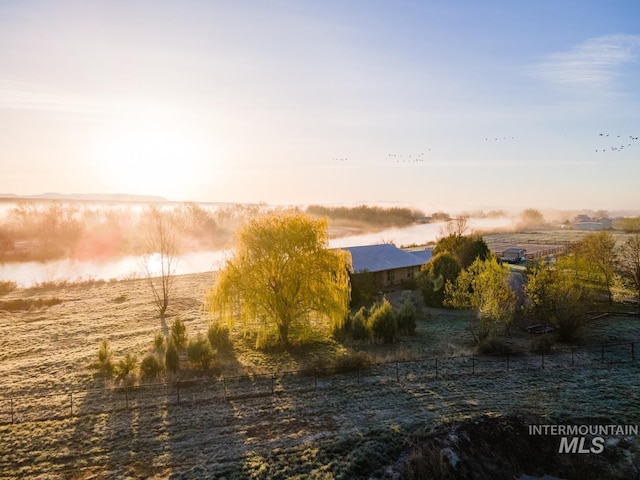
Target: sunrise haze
462 104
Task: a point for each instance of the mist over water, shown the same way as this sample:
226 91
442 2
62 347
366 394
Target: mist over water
417 234
26 274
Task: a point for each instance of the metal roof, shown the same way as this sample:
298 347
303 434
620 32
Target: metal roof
378 258
424 254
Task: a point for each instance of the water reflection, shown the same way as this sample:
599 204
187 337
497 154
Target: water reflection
26 274
29 273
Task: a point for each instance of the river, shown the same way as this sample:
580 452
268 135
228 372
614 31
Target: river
26 274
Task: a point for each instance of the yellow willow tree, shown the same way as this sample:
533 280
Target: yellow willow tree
282 280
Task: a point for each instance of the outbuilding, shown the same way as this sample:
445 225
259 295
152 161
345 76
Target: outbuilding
513 255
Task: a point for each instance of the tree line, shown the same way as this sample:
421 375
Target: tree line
41 231
374 216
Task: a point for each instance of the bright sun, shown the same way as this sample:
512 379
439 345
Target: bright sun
149 156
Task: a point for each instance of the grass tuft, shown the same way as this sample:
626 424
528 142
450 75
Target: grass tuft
21 304
7 286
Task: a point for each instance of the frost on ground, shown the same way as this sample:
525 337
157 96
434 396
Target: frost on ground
349 427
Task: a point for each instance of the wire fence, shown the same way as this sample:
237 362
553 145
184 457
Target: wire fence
78 402
547 239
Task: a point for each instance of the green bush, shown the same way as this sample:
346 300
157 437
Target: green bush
151 367
359 330
171 357
340 331
493 346
125 369
199 352
159 343
105 364
382 322
219 337
351 363
179 333
406 317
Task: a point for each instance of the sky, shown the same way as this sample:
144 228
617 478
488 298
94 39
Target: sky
432 104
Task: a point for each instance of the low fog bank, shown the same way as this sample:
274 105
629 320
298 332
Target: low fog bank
27 274
44 242
421 234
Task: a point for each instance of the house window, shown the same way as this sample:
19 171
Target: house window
410 272
390 276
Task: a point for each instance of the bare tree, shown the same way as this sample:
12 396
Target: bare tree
457 226
531 218
160 259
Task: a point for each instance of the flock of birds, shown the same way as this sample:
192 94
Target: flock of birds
421 158
616 148
400 158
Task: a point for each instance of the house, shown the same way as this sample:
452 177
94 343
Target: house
584 222
388 263
590 226
513 255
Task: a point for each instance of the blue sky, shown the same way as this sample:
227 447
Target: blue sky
452 105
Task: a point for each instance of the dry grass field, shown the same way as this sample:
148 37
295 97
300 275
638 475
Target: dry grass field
342 426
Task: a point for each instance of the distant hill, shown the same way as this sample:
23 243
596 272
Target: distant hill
90 197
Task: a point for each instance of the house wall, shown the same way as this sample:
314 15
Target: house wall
394 276
512 255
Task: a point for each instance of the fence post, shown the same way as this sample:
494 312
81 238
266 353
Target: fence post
273 380
542 358
473 364
178 390
436 367
633 352
315 381
224 386
572 360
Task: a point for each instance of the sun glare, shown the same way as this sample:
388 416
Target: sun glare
148 156
153 264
